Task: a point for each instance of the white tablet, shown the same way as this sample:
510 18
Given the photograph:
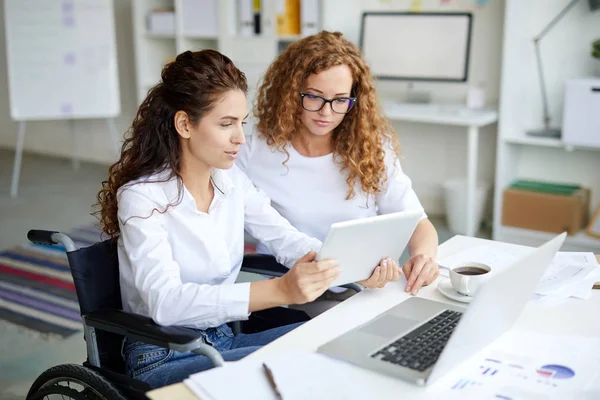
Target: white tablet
359 245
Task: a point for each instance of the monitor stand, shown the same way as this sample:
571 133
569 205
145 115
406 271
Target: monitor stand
554 133
417 97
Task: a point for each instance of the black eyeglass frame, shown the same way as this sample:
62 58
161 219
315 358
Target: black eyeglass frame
325 101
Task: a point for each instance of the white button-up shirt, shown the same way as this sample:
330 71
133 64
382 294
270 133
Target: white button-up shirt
179 266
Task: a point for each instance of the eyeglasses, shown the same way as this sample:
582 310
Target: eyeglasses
339 105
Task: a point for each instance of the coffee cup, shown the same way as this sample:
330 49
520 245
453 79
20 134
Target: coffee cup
466 278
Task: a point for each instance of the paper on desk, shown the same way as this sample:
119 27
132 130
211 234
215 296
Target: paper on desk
566 257
527 365
561 276
317 377
571 274
580 290
236 380
550 300
583 290
298 375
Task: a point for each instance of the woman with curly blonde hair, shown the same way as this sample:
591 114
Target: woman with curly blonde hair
324 152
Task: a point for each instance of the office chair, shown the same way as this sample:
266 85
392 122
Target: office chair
95 271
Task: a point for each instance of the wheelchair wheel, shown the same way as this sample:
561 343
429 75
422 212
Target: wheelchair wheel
70 381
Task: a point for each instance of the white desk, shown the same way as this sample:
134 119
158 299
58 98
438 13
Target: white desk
576 317
456 116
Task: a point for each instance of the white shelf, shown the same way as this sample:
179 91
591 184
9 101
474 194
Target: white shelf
530 237
289 38
192 36
160 35
252 54
448 114
546 142
535 141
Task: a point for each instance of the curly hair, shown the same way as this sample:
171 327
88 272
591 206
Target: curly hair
359 139
194 82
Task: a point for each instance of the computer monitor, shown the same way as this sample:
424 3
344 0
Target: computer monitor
417 46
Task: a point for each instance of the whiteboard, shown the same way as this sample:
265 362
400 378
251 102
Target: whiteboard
62 59
417 46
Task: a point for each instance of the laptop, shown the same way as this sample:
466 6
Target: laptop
419 340
359 245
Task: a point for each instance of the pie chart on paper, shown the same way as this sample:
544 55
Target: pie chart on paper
553 371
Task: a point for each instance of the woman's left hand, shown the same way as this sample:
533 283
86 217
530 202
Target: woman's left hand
420 270
387 271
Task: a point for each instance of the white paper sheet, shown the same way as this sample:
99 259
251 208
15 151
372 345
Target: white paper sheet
236 380
527 365
548 301
566 257
297 375
561 276
315 376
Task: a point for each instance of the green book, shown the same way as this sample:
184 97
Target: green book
545 187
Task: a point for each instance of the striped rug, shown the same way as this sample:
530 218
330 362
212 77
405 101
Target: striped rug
36 286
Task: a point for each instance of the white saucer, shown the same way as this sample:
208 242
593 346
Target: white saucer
445 288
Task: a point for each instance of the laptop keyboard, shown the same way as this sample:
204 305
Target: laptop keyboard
420 348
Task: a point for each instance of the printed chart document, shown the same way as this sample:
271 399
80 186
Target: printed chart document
528 365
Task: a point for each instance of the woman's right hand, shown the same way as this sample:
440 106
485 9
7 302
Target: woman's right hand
308 279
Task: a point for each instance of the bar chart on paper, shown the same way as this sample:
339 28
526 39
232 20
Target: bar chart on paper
465 383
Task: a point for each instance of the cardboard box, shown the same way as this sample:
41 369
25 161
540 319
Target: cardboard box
545 211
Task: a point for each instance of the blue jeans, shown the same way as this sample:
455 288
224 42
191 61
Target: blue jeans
158 366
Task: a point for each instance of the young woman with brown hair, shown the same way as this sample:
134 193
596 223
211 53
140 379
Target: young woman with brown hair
323 151
179 206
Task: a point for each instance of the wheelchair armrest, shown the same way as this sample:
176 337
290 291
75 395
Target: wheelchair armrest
139 327
263 264
143 328
266 264
355 286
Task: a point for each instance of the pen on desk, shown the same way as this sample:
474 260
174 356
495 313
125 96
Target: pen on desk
272 383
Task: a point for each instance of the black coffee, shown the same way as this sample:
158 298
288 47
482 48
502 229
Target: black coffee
470 271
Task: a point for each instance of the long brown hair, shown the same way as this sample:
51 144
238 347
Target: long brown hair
193 83
359 139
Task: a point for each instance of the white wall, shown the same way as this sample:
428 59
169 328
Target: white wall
435 153
565 53
54 137
432 153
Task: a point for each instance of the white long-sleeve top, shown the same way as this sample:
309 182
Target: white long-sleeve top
179 266
310 192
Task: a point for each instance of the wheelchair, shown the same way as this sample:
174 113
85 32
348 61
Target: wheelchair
95 271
